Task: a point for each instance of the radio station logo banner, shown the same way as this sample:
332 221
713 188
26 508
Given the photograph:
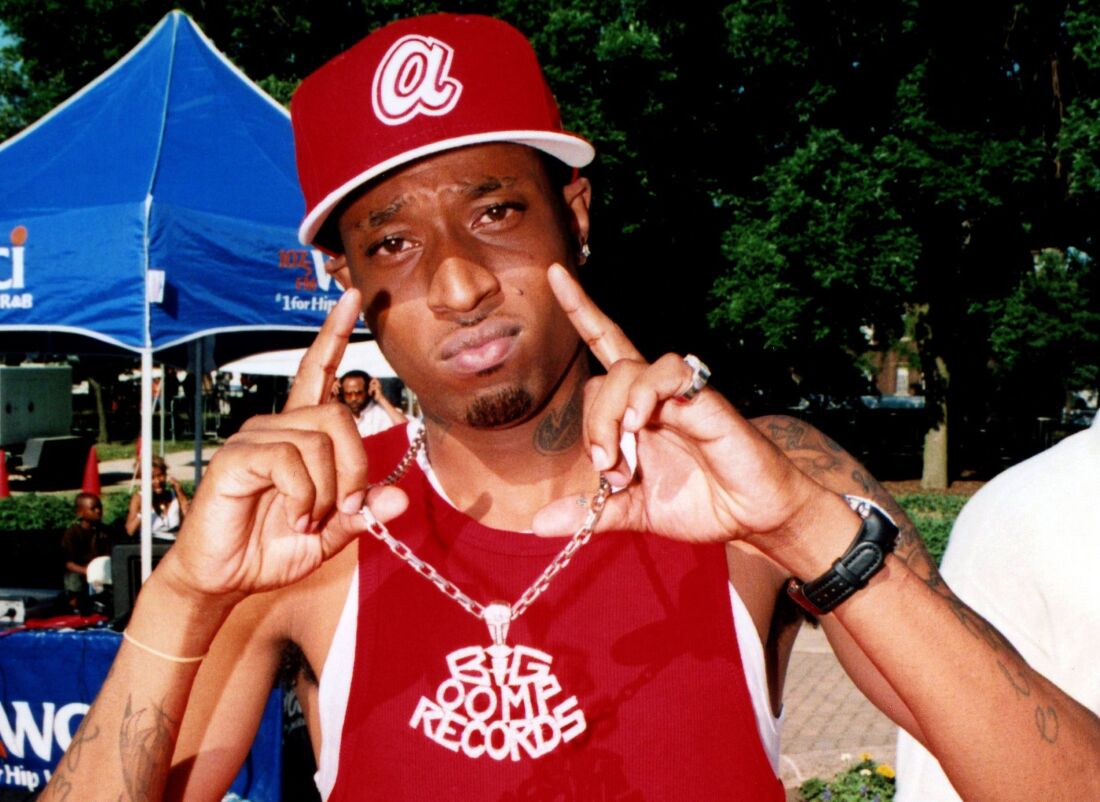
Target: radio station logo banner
13 278
311 282
33 736
49 681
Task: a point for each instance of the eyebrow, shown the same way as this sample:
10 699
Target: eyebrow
485 186
472 190
382 216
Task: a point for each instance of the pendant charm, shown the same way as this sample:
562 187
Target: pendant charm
498 616
500 701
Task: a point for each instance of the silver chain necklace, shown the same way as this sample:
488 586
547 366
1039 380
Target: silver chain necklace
493 612
499 701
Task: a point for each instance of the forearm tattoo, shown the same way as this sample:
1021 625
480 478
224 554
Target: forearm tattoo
145 746
145 743
61 786
822 458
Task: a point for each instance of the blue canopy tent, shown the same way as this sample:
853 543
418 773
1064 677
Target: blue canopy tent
157 205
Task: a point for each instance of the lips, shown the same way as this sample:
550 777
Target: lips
475 350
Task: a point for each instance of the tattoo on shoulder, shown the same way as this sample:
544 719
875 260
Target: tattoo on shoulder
560 429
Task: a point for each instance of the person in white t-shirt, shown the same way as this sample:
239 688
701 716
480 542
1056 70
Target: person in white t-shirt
1022 554
373 412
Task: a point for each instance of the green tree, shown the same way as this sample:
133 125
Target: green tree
1045 335
916 192
778 179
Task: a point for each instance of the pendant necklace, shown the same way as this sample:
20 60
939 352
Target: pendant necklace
499 701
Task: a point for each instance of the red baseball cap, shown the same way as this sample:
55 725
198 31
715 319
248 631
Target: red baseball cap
415 87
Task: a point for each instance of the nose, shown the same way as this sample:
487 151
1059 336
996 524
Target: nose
461 283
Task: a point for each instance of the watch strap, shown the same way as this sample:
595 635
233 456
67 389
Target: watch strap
865 557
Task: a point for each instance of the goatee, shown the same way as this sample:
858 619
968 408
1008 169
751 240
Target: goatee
501 408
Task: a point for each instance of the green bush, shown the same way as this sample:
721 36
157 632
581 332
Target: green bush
30 511
933 514
865 781
115 508
33 511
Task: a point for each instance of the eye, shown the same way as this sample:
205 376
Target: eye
499 212
388 246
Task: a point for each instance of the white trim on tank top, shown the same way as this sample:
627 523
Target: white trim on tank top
334 685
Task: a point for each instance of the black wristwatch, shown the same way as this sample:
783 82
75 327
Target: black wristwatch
877 537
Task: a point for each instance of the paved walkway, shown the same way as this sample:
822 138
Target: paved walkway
116 474
827 717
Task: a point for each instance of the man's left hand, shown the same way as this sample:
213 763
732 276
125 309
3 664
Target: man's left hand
704 473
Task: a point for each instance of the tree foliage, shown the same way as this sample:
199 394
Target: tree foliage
777 179
1045 335
924 158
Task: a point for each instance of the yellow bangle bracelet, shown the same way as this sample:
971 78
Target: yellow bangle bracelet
163 655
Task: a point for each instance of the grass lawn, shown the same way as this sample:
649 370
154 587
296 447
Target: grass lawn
934 514
108 451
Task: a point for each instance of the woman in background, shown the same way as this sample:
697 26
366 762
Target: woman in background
170 505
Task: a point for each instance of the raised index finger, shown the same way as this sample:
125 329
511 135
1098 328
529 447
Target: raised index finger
603 336
313 381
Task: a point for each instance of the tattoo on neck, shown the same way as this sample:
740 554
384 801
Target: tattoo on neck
436 421
560 429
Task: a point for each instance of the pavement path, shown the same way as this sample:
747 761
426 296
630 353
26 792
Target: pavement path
116 474
827 716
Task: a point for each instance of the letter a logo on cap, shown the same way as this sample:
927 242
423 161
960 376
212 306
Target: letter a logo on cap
413 79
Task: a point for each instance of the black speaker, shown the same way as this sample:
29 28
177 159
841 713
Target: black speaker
126 574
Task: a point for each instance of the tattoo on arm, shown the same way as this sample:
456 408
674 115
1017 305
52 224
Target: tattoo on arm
822 458
145 748
786 433
84 735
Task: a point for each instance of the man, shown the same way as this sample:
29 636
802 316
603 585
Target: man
373 412
459 655
82 542
1022 552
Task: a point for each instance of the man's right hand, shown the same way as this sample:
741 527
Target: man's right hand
282 495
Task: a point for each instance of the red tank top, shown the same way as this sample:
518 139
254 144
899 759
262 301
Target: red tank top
624 680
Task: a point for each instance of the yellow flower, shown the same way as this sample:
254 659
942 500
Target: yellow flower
885 770
866 756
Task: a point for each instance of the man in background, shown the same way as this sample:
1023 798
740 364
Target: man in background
362 394
1023 554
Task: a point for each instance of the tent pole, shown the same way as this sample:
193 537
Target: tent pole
161 398
199 423
146 463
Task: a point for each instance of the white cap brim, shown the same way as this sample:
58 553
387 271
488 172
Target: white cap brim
572 150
